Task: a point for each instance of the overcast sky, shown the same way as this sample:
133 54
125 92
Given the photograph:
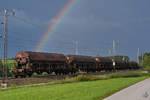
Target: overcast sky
93 23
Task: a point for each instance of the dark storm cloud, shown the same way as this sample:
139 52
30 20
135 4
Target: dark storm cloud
94 23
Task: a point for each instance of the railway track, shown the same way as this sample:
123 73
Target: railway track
47 78
52 76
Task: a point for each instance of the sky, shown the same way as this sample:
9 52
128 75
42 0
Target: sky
93 23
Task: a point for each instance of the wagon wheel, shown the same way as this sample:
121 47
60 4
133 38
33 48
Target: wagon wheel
48 72
39 72
30 74
22 76
16 76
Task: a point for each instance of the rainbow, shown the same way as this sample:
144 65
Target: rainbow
54 25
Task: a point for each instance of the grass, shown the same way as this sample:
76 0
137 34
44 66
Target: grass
90 90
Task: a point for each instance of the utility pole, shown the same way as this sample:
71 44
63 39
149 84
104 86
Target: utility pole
110 52
138 53
3 69
113 48
0 53
142 59
76 47
5 42
6 11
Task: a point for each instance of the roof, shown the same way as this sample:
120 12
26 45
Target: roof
40 56
81 58
103 59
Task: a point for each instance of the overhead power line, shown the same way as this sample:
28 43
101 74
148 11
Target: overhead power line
26 21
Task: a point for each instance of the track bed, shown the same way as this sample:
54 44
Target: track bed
49 78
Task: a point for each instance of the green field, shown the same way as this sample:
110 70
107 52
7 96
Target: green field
90 90
10 63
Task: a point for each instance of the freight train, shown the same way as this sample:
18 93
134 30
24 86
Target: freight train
60 64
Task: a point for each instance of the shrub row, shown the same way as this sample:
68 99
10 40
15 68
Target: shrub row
107 76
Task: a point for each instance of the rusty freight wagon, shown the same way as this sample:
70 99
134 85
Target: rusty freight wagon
39 62
29 62
133 65
82 63
104 64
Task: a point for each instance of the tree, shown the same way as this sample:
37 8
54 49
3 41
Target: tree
145 61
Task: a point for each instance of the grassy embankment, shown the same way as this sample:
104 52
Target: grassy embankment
89 90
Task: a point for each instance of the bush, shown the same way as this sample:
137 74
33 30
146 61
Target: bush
82 78
147 68
102 77
79 78
35 74
89 78
44 73
125 75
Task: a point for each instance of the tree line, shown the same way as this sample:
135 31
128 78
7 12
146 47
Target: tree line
10 64
144 61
